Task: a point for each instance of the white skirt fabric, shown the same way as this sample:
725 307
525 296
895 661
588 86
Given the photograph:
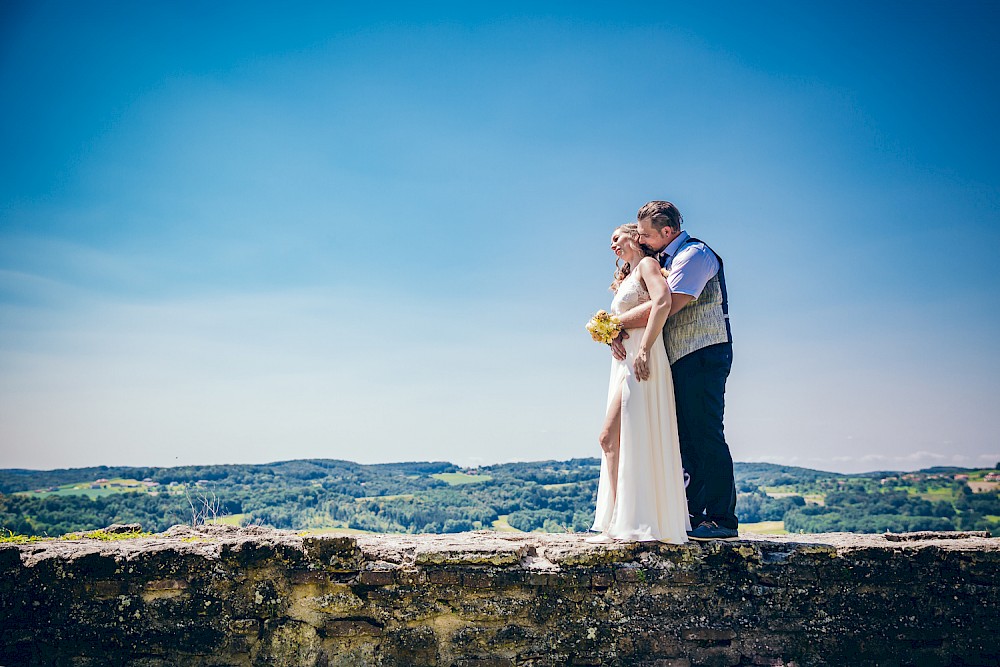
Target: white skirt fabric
649 503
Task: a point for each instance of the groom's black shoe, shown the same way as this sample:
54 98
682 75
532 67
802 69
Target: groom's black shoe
709 530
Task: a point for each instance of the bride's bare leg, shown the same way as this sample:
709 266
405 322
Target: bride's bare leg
611 438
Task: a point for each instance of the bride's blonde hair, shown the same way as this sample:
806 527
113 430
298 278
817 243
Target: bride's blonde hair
631 229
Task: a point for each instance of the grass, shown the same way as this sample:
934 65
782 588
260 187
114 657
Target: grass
550 487
764 528
455 478
502 526
932 494
101 535
13 538
104 536
785 490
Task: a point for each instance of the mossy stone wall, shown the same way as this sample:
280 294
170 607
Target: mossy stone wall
256 597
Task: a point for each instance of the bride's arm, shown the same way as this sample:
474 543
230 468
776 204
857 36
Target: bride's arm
630 319
639 317
659 297
633 318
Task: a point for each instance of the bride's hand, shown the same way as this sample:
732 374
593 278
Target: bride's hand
618 346
641 365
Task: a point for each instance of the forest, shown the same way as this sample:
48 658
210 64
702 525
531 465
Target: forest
440 497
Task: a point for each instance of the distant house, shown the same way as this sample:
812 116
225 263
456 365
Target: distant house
101 481
961 478
992 477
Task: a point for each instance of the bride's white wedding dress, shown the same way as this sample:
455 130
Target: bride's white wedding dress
649 502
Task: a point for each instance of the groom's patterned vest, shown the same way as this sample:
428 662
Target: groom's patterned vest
704 321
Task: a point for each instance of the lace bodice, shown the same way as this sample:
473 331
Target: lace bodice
630 294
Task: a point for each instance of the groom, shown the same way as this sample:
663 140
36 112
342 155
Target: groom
700 348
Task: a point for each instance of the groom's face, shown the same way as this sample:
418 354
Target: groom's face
655 239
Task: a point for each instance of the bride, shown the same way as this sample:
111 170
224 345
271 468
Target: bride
640 496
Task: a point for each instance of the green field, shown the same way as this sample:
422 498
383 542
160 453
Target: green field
813 498
456 478
230 520
764 528
933 494
502 526
112 486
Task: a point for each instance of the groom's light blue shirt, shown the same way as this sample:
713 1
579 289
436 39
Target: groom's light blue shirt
691 268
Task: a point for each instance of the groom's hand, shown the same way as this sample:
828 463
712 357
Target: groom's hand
618 346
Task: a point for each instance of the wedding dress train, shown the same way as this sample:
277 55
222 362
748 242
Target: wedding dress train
648 503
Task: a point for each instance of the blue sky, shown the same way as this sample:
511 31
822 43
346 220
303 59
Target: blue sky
246 233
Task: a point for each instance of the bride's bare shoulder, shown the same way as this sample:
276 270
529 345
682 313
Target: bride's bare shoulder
649 264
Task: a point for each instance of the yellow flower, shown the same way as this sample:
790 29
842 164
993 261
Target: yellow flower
604 327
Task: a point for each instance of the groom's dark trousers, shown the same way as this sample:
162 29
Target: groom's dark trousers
699 392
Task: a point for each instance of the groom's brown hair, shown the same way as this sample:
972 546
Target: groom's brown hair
661 214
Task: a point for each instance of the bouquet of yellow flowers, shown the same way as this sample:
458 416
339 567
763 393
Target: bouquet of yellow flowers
603 327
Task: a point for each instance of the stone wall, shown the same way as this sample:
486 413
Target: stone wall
262 597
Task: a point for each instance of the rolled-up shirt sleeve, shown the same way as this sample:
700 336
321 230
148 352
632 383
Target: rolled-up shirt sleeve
691 270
